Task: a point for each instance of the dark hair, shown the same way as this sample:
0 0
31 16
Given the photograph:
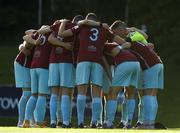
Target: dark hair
92 16
77 18
118 24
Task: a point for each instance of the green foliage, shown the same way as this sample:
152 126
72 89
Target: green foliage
7 56
163 23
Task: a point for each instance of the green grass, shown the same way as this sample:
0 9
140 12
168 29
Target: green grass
169 98
60 130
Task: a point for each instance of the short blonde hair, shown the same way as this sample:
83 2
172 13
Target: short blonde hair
118 24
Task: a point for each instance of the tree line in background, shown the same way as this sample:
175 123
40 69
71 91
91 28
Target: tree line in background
160 17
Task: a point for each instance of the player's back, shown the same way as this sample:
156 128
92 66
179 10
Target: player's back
92 41
148 55
59 53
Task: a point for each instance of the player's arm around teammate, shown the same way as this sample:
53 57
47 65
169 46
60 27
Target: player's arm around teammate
55 41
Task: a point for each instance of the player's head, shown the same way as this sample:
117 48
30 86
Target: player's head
92 16
119 28
77 18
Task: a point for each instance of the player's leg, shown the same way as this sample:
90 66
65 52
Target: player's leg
43 92
111 106
26 93
31 104
82 81
140 104
67 74
153 80
117 85
97 81
59 112
81 103
150 106
66 107
53 106
132 83
53 83
129 76
22 78
130 105
122 101
105 88
96 104
140 109
100 118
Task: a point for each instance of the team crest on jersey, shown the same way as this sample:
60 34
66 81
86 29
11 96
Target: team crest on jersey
92 48
58 50
37 54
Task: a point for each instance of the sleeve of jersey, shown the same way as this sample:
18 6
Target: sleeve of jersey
75 29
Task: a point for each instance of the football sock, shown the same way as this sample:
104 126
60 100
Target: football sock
150 108
53 107
66 109
124 113
31 104
111 111
96 109
70 109
22 105
81 103
40 110
130 109
100 118
58 112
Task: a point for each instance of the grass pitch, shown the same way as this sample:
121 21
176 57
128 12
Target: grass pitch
73 130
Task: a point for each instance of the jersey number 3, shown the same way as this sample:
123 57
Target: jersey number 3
94 35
